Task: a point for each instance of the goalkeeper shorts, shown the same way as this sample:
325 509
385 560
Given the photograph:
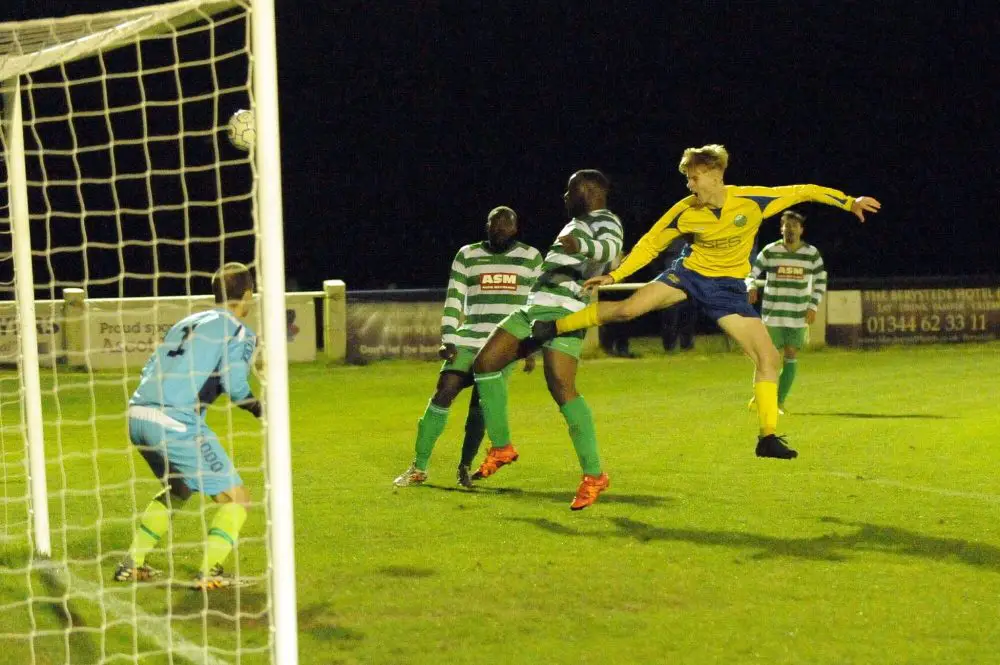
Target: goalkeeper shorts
188 451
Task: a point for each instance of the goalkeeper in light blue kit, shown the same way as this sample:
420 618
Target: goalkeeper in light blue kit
201 357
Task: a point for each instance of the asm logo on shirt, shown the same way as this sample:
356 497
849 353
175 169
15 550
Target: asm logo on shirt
498 281
791 272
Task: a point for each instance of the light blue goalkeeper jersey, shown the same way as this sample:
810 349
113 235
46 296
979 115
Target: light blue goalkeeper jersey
201 357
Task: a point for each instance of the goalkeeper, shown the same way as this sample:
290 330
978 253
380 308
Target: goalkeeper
201 357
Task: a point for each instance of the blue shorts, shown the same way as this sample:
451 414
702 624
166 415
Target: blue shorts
182 449
717 296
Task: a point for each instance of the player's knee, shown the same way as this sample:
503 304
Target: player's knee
482 364
790 352
178 492
631 308
239 494
768 357
446 393
618 312
561 391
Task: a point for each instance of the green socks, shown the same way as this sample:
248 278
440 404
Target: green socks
222 534
787 378
154 523
492 389
475 429
581 431
429 428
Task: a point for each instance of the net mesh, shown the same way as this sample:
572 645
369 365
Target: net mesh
135 198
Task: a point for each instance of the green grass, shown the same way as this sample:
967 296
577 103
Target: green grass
879 544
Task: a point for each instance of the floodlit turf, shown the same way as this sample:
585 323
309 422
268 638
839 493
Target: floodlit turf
879 544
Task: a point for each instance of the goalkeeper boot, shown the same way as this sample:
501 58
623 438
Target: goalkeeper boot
464 477
213 579
589 488
495 458
127 571
543 331
774 446
412 476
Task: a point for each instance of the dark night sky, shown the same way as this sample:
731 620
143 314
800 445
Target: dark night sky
403 123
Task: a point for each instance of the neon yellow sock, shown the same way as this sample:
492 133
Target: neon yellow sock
585 318
766 393
222 534
154 523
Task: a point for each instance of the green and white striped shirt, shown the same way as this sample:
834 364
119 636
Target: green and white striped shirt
484 288
794 282
563 275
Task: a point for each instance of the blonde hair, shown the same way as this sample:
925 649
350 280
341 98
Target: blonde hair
231 282
712 156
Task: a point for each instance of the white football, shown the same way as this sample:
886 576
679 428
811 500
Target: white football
242 132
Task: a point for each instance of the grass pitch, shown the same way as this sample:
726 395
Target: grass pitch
878 544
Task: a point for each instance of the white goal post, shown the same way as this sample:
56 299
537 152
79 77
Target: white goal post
102 230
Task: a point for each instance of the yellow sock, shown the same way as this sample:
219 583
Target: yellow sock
766 393
222 534
585 318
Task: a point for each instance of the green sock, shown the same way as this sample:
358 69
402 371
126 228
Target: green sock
786 379
222 534
429 428
154 523
581 431
492 389
475 430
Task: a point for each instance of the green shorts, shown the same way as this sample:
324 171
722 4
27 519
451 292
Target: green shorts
518 324
463 360
793 337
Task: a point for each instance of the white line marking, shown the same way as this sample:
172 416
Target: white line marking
991 498
151 627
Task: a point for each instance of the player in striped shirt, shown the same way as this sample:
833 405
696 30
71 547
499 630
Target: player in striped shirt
794 282
591 239
489 280
722 221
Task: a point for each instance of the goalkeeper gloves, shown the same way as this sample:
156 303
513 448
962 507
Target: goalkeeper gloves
251 404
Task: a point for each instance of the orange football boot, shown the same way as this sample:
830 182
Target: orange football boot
495 458
589 488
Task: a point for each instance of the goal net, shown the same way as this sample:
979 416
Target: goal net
120 196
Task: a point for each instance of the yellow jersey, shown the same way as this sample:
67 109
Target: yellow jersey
722 238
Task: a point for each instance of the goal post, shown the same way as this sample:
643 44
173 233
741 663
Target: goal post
25 298
119 184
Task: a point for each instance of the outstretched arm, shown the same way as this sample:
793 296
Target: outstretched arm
651 244
775 199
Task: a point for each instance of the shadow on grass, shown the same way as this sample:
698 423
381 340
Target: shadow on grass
80 643
564 496
250 604
828 547
319 621
853 414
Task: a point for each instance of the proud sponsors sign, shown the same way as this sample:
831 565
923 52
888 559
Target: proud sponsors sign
125 332
917 316
49 327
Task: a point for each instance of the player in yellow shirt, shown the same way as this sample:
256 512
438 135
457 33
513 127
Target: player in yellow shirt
722 221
